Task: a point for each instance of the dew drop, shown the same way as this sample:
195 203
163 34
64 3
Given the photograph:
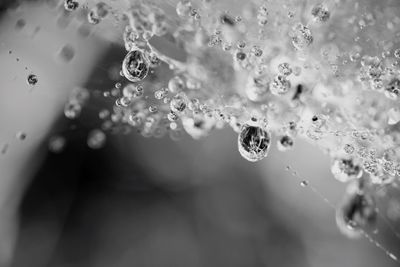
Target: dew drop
280 85
285 143
67 53
71 5
320 13
96 139
135 66
32 79
356 211
253 142
345 170
21 135
304 183
4 149
57 144
301 36
72 110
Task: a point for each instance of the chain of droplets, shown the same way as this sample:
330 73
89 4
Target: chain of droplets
253 80
354 213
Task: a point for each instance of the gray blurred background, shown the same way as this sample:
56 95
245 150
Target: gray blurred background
138 201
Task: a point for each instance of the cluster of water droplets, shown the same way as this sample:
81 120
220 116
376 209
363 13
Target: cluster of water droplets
273 73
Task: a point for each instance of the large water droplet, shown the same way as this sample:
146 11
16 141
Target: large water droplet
254 142
135 66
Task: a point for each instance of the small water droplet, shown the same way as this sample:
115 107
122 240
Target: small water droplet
304 183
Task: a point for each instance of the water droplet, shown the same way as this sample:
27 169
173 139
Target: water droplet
392 256
280 85
93 17
179 103
72 110
392 90
345 170
184 8
153 109
198 126
32 79
71 5
262 15
67 53
356 211
160 94
135 66
349 149
393 116
176 84
301 36
103 114
96 139
285 69
285 143
57 144
20 24
256 51
21 136
4 149
396 53
172 116
257 88
253 142
304 183
320 13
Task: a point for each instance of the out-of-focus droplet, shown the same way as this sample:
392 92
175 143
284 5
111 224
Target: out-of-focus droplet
176 84
57 144
285 143
256 51
72 110
71 5
104 113
198 126
356 211
304 183
102 9
21 135
4 149
160 94
392 90
393 116
183 8
172 116
262 15
348 148
301 36
66 53
257 88
320 13
393 210
20 24
96 139
93 17
396 53
285 69
345 170
280 85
